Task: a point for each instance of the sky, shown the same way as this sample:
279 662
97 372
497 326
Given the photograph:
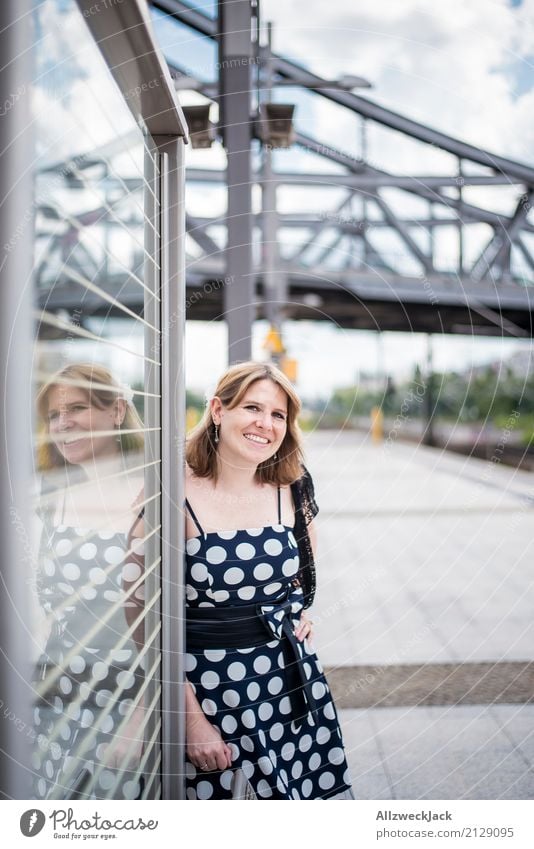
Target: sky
464 68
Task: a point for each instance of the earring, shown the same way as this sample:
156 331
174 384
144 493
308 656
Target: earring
275 456
118 436
216 433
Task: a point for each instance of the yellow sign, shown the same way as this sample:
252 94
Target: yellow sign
289 368
273 342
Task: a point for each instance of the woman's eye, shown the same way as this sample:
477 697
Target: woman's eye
251 407
281 416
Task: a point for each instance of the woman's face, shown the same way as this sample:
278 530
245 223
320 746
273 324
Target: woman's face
70 417
253 430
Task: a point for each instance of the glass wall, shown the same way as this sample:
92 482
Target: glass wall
96 593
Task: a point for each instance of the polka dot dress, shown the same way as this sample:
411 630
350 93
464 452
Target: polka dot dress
244 692
80 582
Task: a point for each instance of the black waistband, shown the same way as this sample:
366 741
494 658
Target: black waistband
226 627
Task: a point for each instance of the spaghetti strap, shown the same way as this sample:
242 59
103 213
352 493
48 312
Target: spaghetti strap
194 518
279 508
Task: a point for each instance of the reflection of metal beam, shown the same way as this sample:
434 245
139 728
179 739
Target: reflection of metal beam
195 229
525 251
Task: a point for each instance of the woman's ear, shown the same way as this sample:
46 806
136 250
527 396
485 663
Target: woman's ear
215 408
120 411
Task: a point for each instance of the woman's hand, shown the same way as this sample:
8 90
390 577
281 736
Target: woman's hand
205 747
304 630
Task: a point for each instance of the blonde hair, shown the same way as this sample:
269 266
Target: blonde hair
201 448
93 380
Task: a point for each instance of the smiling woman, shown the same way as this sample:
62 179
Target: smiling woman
258 703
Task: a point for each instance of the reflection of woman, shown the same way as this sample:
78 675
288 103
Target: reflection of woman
256 695
85 709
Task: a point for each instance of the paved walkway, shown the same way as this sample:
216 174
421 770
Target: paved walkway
425 571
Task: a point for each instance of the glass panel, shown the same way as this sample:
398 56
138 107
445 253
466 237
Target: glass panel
96 665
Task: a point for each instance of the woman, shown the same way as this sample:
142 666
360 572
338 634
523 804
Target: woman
256 696
85 710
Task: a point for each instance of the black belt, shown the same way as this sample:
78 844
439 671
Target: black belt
254 625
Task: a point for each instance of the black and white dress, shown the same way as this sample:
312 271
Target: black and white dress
250 693
85 686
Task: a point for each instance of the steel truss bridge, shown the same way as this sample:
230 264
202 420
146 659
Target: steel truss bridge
328 261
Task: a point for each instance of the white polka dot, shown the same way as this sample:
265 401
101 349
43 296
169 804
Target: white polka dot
106 779
265 765
280 786
323 735
233 575
204 790
246 743
288 751
88 551
277 731
262 664
254 532
88 593
209 707
318 690
125 705
229 724
248 718
215 554
210 679
49 567
219 595
253 691
104 534
272 547
190 593
131 789
248 769
190 793
295 793
307 670
263 571
71 571
314 762
192 545
97 575
102 698
65 684
265 711
336 756
326 781
190 770
199 572
306 788
226 534
81 532
246 593
329 711
275 685
296 769
112 595
74 711
114 554
292 540
284 705
106 724
214 655
190 662
66 589
87 718
138 546
236 671
231 698
245 551
290 567
305 743
226 779
100 670
263 789
125 679
271 589
131 572
234 751
64 547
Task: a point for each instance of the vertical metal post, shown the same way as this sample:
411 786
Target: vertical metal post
235 59
460 222
16 331
173 431
428 433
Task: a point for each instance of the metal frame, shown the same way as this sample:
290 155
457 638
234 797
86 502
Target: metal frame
16 211
123 34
